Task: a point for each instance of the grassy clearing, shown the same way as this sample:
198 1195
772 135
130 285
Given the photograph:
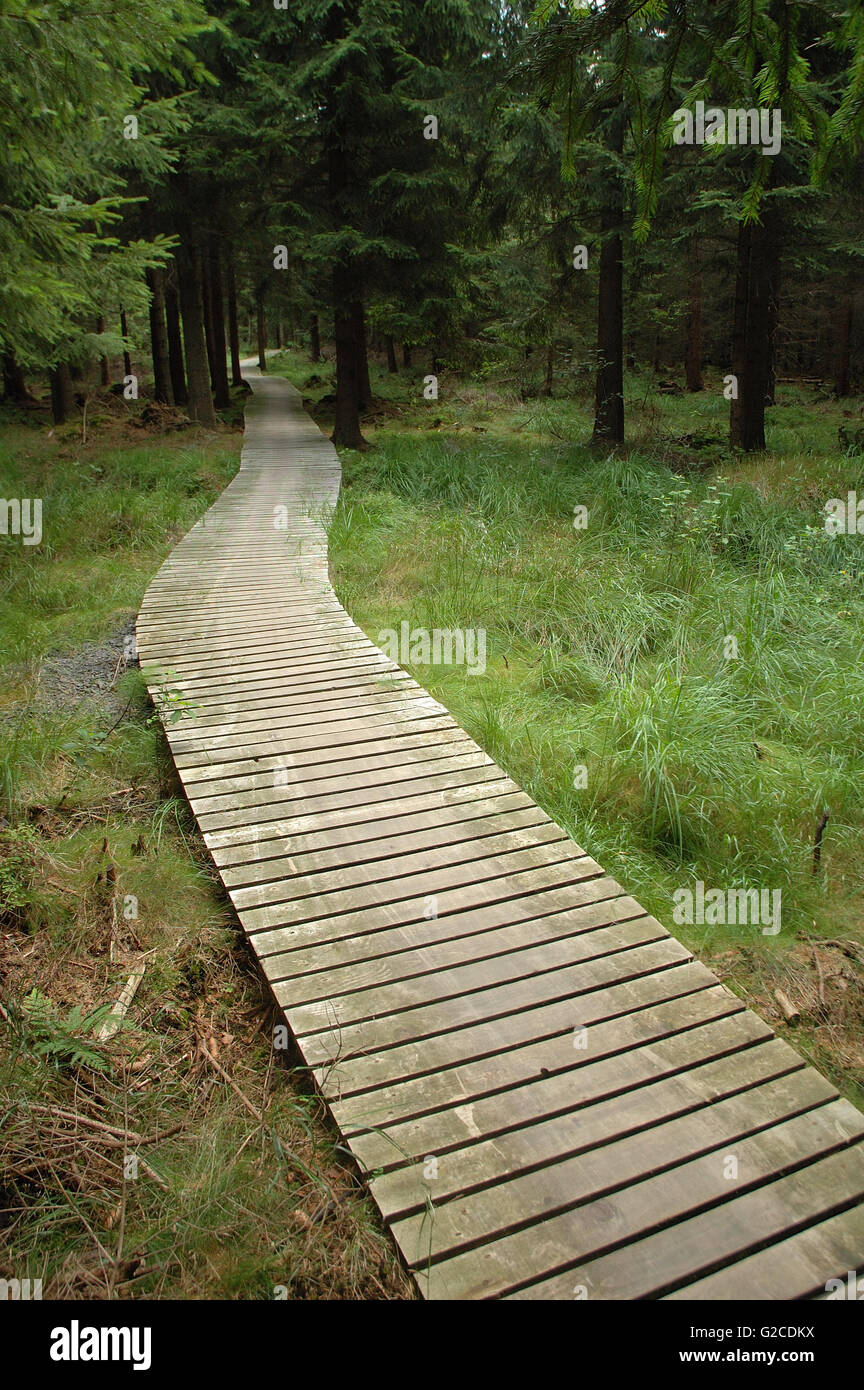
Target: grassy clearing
607 647
234 1186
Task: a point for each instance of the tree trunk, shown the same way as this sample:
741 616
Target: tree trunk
314 338
14 385
406 354
162 388
233 326
207 306
346 427
261 328
127 360
693 349
200 405
550 370
279 343
346 288
104 370
843 368
219 363
364 386
753 332
61 393
175 340
609 392
391 354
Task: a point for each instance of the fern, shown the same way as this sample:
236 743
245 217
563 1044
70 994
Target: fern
61 1041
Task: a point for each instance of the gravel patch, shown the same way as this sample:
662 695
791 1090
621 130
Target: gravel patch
89 672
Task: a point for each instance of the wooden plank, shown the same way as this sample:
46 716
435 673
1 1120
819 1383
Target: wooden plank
731 1230
798 1267
422 946
574 1082
486 879
770 1133
438 1036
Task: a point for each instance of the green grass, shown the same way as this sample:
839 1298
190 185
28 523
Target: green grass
607 646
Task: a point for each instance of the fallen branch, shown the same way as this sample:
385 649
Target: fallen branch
817 843
121 1008
790 1013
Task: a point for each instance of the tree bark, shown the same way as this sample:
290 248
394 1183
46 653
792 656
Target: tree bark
200 404
346 289
219 364
104 369
550 370
233 325
753 331
406 354
61 393
693 348
279 343
175 339
364 386
162 388
14 385
391 354
346 427
314 338
609 392
261 329
207 306
127 360
843 366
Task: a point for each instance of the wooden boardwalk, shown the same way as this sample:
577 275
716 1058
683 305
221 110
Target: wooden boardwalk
438 945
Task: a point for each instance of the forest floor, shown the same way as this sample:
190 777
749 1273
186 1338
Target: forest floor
239 1189
607 646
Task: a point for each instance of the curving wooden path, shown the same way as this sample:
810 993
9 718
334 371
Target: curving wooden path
550 1097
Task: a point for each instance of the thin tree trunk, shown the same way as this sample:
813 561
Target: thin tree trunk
207 306
61 393
364 386
753 331
314 338
843 367
175 339
391 354
693 349
406 354
162 388
221 393
104 369
609 393
14 385
233 326
127 360
346 296
279 343
346 427
550 370
200 405
261 327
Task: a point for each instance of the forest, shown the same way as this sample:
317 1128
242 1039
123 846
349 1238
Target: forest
576 289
